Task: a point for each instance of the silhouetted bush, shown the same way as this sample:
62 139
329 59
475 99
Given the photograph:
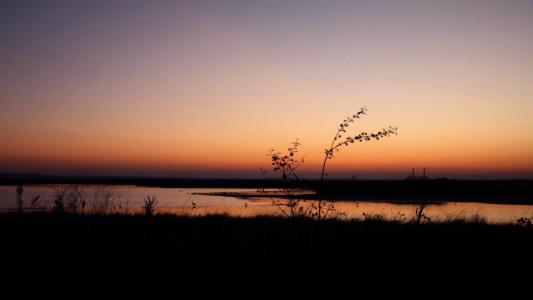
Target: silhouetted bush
419 213
59 200
103 200
524 221
150 204
77 196
287 164
20 202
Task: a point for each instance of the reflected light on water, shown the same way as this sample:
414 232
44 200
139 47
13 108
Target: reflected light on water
195 202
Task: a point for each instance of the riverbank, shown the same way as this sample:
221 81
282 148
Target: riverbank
118 235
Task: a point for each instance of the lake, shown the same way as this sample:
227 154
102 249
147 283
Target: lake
188 201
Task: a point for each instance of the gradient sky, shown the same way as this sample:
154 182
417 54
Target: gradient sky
206 88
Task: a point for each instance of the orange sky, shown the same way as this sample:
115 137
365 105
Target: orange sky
207 89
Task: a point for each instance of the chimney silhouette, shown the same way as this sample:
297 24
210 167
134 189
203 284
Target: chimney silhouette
424 174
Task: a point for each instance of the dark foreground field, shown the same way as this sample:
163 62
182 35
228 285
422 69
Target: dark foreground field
50 236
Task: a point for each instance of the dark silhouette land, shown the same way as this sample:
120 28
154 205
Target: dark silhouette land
65 236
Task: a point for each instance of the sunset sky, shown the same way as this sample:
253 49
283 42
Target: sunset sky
206 88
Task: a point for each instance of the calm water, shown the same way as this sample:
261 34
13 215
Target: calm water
185 201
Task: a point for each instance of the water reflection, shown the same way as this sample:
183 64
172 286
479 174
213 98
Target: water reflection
195 202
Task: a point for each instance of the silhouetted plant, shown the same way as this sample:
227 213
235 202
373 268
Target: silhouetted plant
103 200
325 210
75 198
293 207
70 199
338 142
419 213
373 217
20 202
527 222
35 201
477 218
59 200
400 217
150 204
287 164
